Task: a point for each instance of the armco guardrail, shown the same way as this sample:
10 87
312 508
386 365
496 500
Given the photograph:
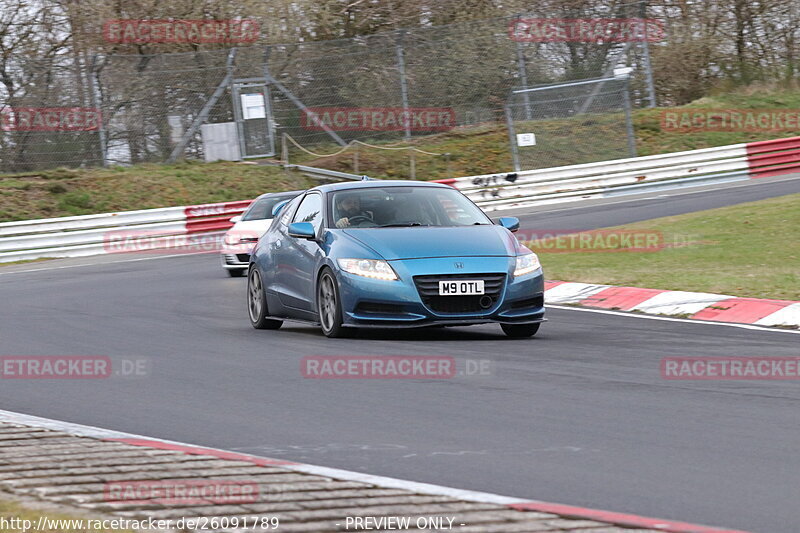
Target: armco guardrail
628 176
93 234
324 173
98 234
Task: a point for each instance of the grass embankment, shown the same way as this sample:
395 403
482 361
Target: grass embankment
485 149
472 150
749 250
64 192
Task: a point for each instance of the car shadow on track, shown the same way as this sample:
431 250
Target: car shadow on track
441 334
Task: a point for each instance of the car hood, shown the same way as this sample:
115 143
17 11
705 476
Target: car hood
421 242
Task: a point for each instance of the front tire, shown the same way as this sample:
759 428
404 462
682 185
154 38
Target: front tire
520 331
329 306
257 303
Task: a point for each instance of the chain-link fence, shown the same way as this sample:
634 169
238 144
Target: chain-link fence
52 122
570 123
388 87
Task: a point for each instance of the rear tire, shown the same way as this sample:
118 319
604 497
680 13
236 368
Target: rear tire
520 331
329 306
236 272
257 303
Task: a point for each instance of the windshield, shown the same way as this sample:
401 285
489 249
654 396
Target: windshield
262 208
385 207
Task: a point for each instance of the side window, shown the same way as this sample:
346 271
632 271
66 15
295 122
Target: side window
310 210
287 212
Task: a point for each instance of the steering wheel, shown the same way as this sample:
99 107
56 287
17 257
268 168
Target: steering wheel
358 219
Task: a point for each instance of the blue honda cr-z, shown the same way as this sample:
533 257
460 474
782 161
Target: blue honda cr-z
392 254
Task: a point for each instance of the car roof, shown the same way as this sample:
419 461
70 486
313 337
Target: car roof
283 193
366 184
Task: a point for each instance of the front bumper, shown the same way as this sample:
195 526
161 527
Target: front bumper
367 302
236 257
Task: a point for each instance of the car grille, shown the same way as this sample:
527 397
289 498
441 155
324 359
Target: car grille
235 259
428 288
379 308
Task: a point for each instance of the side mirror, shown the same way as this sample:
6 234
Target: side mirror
302 230
236 219
277 207
510 223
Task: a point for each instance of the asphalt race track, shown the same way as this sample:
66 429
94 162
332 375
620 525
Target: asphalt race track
578 415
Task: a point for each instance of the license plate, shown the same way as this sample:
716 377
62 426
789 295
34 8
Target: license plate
461 287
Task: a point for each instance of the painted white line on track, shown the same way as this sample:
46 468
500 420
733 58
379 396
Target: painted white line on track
554 306
380 481
672 319
58 425
524 505
100 263
413 486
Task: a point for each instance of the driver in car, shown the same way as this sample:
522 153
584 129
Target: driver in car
348 207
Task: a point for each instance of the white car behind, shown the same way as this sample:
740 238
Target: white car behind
239 241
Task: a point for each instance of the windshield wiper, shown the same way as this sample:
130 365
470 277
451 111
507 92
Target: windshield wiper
404 225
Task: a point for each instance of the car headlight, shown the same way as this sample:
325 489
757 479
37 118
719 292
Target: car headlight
526 264
231 239
369 268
